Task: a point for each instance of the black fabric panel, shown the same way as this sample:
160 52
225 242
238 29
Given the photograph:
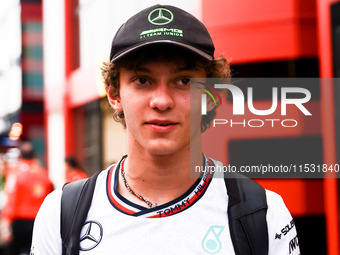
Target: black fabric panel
74 214
247 210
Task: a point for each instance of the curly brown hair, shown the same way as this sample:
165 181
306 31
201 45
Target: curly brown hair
216 68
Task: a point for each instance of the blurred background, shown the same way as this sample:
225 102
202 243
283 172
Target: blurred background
51 92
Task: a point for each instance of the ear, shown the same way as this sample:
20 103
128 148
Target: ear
113 100
210 104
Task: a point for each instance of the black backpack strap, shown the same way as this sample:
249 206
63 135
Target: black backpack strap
75 203
247 210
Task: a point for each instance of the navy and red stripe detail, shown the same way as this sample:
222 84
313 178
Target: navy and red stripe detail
189 198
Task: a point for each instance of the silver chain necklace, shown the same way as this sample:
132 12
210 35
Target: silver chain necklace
150 204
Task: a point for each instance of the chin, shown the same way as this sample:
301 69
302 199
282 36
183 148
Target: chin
162 149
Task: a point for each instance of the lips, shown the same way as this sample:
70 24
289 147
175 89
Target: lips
161 122
161 125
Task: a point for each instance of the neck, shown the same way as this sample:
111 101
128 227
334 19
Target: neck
159 178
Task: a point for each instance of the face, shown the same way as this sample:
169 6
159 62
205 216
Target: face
155 99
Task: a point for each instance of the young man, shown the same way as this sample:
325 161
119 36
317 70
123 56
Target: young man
148 203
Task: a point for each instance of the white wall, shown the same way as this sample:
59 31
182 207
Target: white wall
10 51
54 77
56 145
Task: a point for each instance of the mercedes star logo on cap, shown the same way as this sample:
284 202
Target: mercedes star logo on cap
160 16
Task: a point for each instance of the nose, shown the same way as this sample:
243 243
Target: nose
161 98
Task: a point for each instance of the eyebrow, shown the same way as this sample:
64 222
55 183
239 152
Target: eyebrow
142 69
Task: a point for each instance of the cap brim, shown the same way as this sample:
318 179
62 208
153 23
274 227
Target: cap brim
189 47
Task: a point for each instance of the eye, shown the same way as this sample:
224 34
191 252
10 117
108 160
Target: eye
142 81
184 81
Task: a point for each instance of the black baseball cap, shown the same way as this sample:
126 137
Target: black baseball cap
162 24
